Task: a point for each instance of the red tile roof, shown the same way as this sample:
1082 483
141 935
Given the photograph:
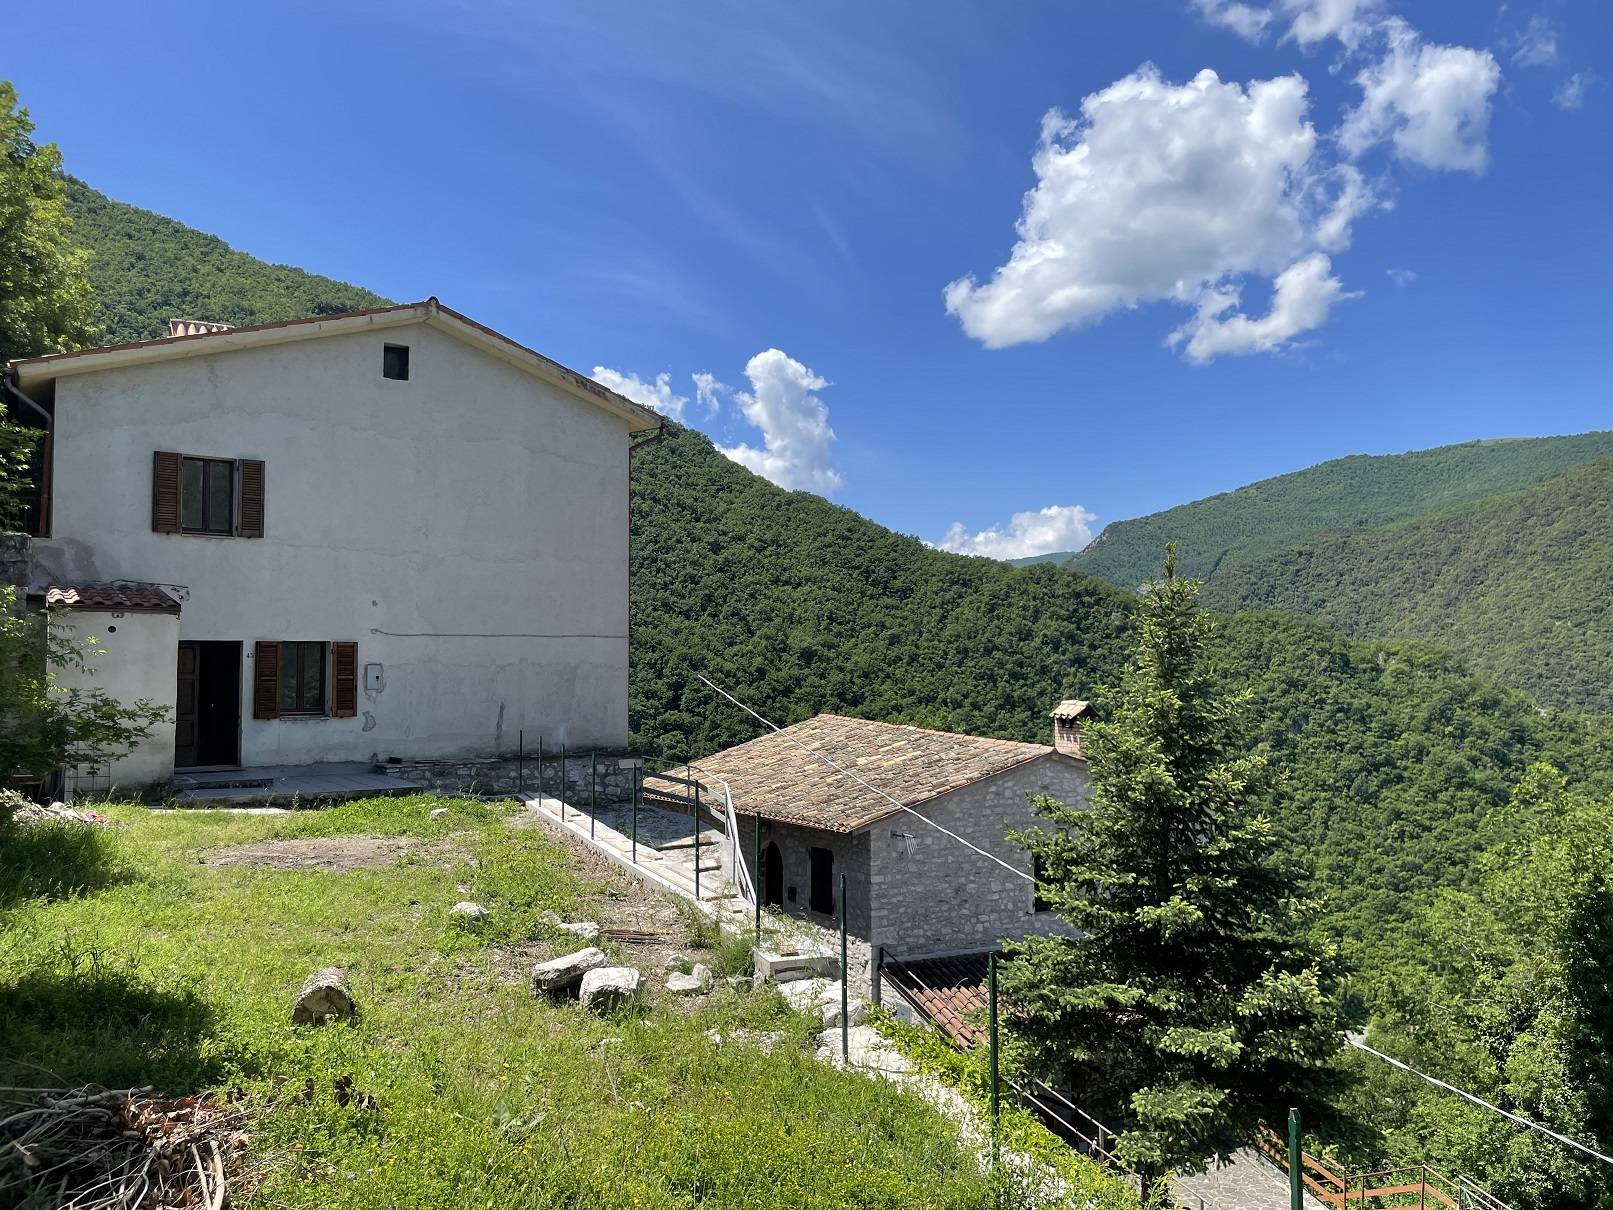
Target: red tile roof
951 992
110 596
775 778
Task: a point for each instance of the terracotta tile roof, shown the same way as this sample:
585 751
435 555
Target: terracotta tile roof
951 992
773 778
110 596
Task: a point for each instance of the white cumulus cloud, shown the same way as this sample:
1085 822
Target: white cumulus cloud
1057 527
794 423
1308 21
1302 296
658 394
1431 103
1168 192
1248 21
706 388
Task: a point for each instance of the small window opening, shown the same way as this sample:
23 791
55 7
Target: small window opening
395 362
207 496
302 678
1039 872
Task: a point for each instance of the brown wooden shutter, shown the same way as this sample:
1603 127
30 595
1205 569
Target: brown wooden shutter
165 493
266 680
249 517
343 680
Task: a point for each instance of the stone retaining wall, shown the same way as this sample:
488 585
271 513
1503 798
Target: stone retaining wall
509 775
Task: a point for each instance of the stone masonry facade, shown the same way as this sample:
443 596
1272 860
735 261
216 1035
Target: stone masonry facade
609 774
931 895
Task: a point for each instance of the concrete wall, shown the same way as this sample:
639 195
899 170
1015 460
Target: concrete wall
931 895
135 655
467 527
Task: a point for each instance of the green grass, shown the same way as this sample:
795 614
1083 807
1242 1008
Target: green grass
126 960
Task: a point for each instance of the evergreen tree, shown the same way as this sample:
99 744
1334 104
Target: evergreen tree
1190 1006
45 302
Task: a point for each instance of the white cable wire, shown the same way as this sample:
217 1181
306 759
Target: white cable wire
1561 1138
838 769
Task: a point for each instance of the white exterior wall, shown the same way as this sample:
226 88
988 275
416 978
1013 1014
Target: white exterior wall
930 895
135 656
412 517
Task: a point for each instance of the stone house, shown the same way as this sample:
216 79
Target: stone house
387 535
911 889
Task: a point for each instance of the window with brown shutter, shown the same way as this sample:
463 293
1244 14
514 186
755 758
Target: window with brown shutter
343 680
249 474
165 492
266 680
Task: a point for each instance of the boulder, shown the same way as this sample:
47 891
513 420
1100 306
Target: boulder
559 975
582 930
805 995
830 1009
470 913
696 983
437 813
324 995
610 987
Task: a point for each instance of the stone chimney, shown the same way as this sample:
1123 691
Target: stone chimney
1069 716
194 327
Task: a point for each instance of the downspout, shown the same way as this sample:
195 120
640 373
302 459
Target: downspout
9 380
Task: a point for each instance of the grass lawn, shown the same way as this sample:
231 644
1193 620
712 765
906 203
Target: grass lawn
132 955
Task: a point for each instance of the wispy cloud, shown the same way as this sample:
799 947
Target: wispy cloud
1058 527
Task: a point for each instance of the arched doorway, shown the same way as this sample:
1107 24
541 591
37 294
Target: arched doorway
772 876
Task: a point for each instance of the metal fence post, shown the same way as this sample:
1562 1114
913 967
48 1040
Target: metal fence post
638 790
520 763
991 1018
692 788
541 780
845 982
593 790
1296 1179
562 783
756 876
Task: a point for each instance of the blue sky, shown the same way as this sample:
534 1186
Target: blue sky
1381 225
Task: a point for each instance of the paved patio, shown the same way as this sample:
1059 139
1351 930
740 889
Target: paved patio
281 784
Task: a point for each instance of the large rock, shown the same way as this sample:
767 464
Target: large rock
696 983
470 913
804 995
582 930
558 976
610 987
324 996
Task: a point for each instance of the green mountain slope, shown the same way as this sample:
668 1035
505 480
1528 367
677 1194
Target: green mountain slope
147 269
1390 753
1262 518
1516 582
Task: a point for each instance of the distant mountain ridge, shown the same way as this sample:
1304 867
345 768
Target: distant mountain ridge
1261 518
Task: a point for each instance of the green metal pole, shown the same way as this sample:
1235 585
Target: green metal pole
638 790
1296 1171
541 782
756 876
692 788
520 763
845 981
991 1018
593 790
562 783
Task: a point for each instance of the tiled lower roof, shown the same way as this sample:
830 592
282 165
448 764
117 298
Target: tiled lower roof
778 776
951 992
110 596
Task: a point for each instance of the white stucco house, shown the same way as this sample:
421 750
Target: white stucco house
393 533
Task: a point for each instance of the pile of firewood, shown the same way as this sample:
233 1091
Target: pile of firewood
121 1149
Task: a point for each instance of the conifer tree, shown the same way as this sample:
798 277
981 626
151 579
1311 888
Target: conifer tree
1190 1006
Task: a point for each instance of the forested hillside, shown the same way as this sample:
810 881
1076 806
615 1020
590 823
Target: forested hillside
1516 582
147 269
1217 532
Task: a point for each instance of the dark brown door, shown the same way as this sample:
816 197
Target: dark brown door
772 876
185 707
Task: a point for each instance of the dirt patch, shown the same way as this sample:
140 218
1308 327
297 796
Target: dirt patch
330 853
